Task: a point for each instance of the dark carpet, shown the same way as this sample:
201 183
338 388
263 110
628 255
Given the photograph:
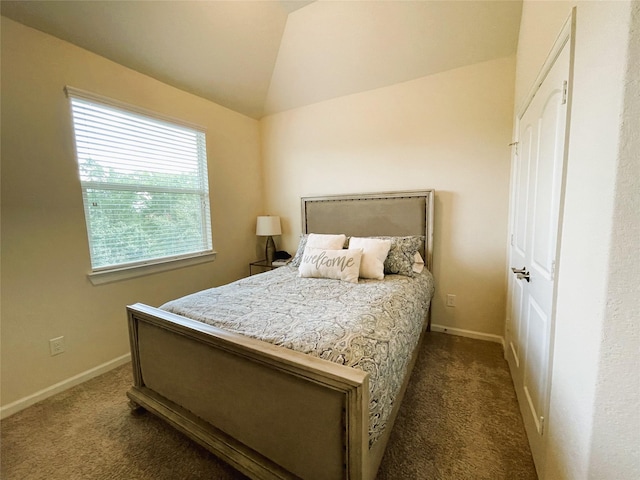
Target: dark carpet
459 420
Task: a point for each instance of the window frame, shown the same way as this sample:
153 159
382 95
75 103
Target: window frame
112 273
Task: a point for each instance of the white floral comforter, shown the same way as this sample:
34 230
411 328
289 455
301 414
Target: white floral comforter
373 325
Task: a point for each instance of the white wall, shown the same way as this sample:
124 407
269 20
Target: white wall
615 445
587 410
45 257
448 131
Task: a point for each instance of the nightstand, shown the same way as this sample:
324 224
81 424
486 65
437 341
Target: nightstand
261 266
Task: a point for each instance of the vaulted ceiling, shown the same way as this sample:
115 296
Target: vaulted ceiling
266 56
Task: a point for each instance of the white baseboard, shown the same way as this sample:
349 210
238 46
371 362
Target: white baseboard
469 333
25 402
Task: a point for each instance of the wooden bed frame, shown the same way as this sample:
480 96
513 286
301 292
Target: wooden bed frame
270 412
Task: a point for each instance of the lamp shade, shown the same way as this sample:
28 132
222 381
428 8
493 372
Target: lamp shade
268 225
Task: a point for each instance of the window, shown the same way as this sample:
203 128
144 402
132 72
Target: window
144 184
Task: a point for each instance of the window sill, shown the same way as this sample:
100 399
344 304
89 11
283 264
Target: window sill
118 274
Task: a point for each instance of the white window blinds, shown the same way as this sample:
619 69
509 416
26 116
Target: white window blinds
144 184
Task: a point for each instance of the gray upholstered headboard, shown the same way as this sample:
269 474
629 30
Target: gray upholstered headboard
371 214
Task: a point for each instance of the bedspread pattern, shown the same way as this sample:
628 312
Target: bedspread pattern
373 325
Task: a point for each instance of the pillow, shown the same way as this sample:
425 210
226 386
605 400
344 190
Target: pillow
374 253
317 240
295 261
335 264
418 263
401 254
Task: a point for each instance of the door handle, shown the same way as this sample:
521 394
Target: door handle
521 273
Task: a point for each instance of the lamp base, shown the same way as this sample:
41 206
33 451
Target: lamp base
270 249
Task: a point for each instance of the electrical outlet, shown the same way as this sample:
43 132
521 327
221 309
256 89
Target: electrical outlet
56 346
451 300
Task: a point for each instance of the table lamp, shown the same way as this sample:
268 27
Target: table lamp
267 226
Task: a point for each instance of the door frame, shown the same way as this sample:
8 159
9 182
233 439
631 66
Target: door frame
566 35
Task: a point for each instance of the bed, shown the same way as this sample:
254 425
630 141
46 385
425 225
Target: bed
256 401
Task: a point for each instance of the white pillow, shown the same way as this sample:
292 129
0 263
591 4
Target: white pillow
336 264
375 252
326 241
418 263
318 240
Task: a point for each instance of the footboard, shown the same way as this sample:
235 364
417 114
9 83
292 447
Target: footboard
268 411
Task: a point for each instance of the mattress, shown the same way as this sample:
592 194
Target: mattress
372 325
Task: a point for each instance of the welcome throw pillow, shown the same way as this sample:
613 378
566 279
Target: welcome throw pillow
335 264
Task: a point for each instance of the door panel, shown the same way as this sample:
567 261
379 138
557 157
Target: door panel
522 166
536 361
515 340
547 166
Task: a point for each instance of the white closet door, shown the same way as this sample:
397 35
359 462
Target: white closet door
536 192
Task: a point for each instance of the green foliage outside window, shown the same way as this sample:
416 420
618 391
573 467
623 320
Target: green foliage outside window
129 224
